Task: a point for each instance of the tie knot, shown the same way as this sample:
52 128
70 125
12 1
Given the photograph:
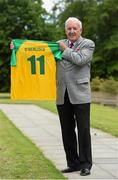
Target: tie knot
71 45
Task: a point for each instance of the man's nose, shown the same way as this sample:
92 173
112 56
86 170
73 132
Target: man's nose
72 30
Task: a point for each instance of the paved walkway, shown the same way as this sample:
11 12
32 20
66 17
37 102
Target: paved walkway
43 128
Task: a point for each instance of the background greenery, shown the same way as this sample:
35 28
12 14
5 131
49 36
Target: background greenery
104 85
26 19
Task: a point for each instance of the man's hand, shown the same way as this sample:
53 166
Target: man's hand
11 45
63 46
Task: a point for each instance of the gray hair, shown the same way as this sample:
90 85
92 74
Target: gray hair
73 19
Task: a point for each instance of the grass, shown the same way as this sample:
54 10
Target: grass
50 105
102 117
105 118
20 158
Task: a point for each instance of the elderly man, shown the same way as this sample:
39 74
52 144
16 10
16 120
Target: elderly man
74 97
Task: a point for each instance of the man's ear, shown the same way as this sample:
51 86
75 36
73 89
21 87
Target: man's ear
81 31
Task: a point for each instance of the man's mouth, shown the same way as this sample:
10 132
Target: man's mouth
71 34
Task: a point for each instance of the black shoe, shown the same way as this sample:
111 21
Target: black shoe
70 169
84 172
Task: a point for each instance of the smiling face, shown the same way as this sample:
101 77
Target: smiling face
73 30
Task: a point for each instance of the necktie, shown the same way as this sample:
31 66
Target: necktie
71 45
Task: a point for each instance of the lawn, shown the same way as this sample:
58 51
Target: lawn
102 117
20 158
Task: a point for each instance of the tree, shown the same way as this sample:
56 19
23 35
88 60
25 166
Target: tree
26 19
99 20
18 19
106 37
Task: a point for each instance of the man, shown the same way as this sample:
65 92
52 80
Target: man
74 97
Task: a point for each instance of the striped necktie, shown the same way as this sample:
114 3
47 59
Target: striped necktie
71 45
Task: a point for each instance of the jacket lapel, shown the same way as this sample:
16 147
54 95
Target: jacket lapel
78 42
66 64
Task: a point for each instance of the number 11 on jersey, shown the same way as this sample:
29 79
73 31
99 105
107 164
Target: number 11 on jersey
33 60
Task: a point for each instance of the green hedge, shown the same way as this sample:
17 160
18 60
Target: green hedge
106 85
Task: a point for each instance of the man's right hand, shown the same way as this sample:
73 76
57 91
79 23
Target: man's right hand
11 45
62 46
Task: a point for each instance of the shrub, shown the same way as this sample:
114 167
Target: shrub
106 85
110 86
96 83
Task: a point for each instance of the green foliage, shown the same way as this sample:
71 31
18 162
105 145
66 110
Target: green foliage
105 85
99 20
18 20
106 40
110 86
96 83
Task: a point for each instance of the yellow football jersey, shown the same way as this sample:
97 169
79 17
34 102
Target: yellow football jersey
33 70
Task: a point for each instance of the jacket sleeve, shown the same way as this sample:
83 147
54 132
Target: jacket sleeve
80 56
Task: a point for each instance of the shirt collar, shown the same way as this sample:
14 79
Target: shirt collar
78 40
71 42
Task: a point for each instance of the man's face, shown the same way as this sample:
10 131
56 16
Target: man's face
73 31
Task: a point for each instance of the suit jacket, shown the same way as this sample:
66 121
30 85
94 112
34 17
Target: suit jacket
73 72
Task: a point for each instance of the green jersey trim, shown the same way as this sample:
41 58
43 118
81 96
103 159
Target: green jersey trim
52 45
